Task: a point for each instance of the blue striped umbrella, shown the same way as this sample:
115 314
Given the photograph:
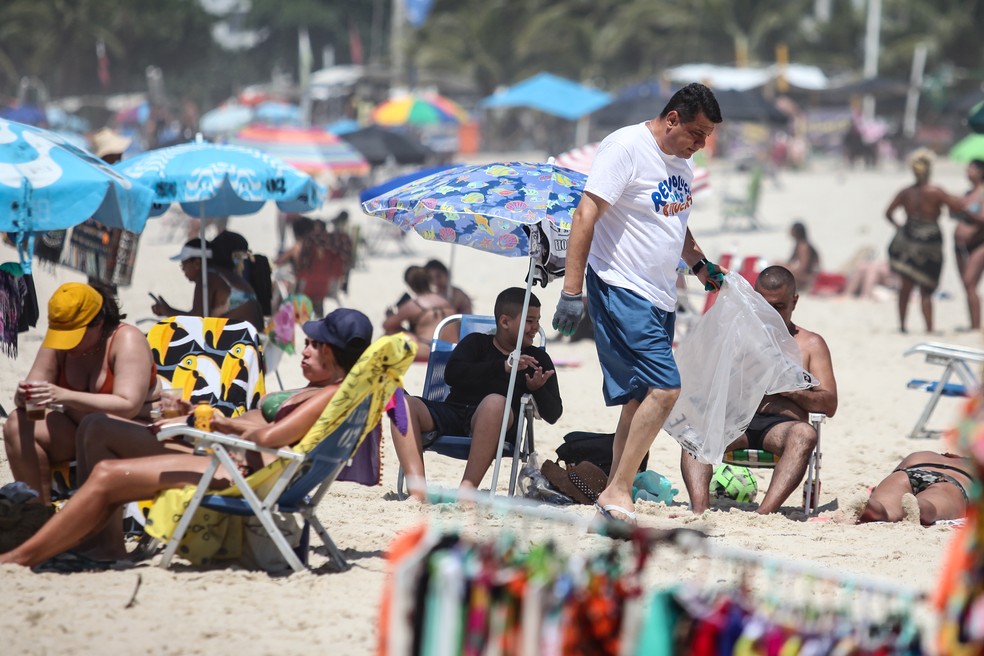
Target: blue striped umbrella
216 180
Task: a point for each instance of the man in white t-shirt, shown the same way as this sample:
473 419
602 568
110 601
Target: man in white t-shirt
628 236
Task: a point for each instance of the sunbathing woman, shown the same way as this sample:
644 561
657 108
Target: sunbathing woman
333 346
420 315
939 482
89 362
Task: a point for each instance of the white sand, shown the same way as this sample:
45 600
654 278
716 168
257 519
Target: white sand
227 611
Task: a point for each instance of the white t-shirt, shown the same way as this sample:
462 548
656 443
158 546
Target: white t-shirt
638 241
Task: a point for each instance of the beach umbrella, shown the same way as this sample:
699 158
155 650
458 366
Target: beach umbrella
343 126
217 180
310 150
377 144
491 207
224 119
423 109
47 183
969 148
277 112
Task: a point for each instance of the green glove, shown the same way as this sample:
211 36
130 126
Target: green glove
715 278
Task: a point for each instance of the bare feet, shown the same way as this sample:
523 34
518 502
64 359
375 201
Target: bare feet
910 509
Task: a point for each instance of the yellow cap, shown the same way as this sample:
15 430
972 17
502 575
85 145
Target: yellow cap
71 309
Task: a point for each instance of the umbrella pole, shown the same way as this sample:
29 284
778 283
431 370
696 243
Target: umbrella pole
450 291
513 372
201 235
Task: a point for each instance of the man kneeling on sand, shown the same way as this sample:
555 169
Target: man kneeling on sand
780 424
478 374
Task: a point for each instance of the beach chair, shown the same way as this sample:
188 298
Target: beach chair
437 389
762 459
957 361
742 211
199 525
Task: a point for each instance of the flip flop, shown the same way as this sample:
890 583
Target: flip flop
606 512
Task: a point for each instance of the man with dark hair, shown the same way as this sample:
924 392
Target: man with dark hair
629 233
781 424
478 374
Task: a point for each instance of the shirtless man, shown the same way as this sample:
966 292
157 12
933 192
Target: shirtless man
939 482
420 315
781 424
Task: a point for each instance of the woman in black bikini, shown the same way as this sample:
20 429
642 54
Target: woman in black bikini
940 483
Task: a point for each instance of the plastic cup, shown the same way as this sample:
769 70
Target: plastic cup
35 411
171 403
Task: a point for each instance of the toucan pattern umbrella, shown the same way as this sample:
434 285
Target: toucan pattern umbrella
309 150
483 206
427 109
46 183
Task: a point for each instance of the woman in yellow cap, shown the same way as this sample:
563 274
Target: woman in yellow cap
89 362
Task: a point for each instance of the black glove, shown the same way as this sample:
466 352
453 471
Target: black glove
570 309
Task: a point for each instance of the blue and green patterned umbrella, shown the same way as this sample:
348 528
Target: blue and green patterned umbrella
485 206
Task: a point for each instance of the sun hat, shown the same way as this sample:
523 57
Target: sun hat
71 309
192 250
109 142
340 328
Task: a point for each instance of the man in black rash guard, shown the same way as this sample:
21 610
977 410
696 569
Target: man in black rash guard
478 374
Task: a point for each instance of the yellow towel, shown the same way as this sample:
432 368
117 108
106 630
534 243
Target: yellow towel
214 535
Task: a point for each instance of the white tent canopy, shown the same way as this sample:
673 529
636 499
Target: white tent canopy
742 79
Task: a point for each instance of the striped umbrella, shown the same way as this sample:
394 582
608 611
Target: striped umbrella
425 109
313 151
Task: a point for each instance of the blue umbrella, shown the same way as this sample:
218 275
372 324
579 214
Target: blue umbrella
491 207
278 113
227 118
213 180
46 183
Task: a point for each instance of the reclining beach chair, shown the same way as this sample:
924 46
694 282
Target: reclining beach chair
959 361
437 389
762 459
200 525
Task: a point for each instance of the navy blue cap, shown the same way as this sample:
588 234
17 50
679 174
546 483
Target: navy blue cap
341 328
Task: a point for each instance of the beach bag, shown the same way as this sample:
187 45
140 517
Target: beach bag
259 550
738 352
596 448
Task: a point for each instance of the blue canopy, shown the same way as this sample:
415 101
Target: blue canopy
552 95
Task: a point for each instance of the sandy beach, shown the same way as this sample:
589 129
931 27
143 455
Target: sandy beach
186 610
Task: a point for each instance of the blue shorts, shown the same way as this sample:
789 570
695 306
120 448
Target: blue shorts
634 340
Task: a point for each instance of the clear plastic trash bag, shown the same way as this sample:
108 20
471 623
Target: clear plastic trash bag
738 352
